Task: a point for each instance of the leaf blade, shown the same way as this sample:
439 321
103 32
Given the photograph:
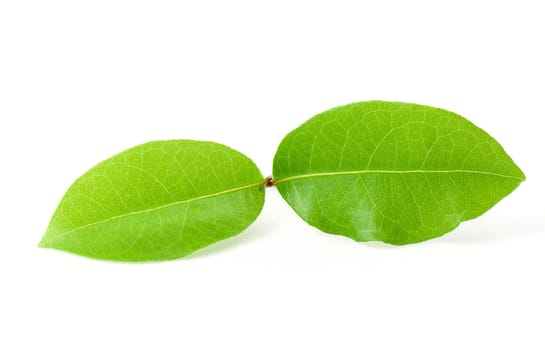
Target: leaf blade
384 143
148 197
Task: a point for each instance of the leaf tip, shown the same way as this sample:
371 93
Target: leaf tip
41 244
44 242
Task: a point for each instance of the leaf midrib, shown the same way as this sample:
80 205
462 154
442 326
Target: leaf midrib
185 201
378 171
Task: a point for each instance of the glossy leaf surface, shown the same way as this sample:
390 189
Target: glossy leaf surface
157 201
393 172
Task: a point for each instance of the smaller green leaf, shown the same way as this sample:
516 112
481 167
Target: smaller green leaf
158 201
393 172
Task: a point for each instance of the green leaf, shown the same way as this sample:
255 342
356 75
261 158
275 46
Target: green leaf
157 201
393 172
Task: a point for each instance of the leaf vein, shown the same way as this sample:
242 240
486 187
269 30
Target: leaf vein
378 171
206 196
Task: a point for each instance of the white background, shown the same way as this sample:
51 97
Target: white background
83 80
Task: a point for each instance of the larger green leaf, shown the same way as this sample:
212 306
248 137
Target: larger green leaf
393 172
157 201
